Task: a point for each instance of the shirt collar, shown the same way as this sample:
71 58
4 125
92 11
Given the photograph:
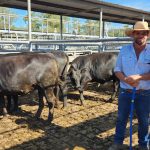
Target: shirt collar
145 49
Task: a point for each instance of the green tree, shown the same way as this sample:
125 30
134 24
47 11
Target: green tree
46 22
5 14
91 27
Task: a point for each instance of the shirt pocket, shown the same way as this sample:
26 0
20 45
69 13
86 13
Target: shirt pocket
145 65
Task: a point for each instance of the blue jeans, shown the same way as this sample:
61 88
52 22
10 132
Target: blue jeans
142 108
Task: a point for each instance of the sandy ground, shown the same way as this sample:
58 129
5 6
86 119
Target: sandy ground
88 127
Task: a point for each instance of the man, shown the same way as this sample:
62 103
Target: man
133 70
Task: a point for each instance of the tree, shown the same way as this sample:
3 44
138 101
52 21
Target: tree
46 22
5 14
91 27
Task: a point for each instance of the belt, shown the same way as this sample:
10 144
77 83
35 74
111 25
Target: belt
130 90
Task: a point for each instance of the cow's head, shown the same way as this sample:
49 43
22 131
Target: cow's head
79 77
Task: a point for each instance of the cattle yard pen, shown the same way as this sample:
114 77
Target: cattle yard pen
73 48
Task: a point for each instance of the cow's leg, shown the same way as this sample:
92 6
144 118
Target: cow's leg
56 91
41 95
15 99
64 90
3 105
50 97
81 97
83 87
115 90
9 102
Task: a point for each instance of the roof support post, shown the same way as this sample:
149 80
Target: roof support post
42 24
4 17
100 22
9 23
103 33
61 32
61 27
47 26
29 23
143 18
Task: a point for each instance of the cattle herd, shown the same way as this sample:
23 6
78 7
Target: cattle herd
48 73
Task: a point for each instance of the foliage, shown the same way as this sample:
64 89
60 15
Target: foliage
42 22
10 16
50 23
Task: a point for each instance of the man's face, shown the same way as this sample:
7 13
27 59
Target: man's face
140 37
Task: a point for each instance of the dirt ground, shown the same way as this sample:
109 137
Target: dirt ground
88 127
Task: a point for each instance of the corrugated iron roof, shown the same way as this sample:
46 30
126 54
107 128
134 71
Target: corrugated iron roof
89 9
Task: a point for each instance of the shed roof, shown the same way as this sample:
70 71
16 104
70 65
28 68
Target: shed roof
89 9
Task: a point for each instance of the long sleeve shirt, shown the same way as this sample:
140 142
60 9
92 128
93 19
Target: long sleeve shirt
128 64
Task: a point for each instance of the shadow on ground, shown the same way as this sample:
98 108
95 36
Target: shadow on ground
85 134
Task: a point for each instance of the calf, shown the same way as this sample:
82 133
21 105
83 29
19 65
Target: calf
93 68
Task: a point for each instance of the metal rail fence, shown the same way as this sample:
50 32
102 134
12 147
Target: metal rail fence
73 48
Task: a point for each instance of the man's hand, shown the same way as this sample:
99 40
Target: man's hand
133 80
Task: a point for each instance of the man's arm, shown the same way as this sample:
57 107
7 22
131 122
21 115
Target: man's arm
132 80
145 76
127 80
120 76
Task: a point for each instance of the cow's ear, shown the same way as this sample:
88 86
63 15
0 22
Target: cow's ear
74 66
83 70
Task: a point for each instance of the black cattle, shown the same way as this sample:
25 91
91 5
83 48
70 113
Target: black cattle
63 62
93 68
22 73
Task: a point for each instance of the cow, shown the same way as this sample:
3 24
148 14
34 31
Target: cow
63 61
96 67
24 72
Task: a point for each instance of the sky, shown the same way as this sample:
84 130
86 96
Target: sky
139 4
20 21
